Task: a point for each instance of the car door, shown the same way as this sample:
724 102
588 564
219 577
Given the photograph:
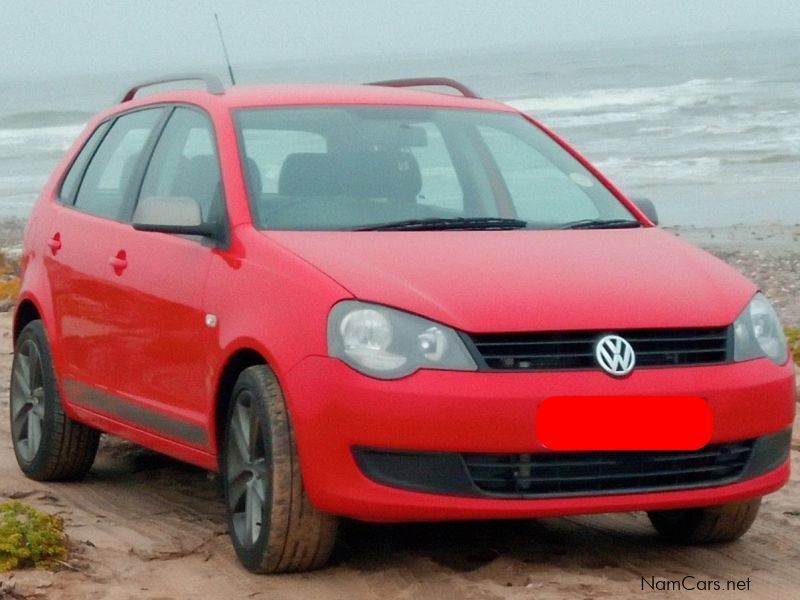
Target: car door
81 230
160 360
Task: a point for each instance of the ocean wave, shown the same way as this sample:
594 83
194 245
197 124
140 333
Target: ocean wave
606 118
685 169
593 120
14 182
769 159
655 129
44 140
721 128
697 169
733 127
44 118
691 93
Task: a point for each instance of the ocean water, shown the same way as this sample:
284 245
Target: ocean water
709 129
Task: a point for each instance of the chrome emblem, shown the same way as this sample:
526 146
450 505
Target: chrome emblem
615 355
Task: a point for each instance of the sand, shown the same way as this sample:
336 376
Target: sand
143 526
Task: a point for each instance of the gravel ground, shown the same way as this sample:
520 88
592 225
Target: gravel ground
767 254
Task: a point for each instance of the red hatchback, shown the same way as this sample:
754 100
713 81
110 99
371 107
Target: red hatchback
388 305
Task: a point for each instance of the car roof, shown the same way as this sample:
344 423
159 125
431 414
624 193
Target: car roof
282 95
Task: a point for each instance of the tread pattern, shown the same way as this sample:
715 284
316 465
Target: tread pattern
713 524
68 448
301 538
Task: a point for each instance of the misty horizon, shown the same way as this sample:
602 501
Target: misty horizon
82 38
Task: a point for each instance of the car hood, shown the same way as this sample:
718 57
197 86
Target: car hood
524 280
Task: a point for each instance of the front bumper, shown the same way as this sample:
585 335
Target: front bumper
335 411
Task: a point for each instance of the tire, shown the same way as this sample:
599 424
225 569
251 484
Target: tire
49 446
273 525
713 524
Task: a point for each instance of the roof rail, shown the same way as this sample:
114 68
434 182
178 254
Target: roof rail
212 82
426 82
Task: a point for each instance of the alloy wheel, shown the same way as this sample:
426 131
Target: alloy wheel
246 471
27 401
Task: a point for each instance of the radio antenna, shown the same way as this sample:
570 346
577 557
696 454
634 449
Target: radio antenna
225 50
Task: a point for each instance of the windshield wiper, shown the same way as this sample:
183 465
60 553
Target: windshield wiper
436 224
601 224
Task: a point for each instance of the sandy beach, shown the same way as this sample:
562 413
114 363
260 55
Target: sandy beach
146 527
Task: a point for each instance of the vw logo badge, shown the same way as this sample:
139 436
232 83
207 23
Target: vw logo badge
615 355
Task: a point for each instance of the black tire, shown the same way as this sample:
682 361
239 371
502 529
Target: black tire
49 446
708 525
282 532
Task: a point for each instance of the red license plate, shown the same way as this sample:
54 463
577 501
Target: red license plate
579 423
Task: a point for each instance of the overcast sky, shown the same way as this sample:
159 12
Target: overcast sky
77 36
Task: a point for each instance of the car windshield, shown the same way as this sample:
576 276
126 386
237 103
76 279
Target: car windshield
395 168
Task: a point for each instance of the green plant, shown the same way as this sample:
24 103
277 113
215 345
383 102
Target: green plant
29 538
793 335
9 278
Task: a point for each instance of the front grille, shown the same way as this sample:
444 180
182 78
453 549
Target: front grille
557 474
561 474
575 350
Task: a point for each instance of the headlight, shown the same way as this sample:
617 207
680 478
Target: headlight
758 333
388 343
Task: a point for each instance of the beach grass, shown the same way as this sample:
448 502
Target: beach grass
29 538
9 281
793 335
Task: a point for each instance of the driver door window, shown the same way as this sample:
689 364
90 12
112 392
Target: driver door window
185 164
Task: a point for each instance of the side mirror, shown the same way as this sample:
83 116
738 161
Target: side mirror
179 215
647 207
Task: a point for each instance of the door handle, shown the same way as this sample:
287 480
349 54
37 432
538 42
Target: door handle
55 243
119 262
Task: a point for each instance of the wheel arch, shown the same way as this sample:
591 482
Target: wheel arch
237 362
26 311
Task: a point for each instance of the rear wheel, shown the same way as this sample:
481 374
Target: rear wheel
273 525
48 444
724 523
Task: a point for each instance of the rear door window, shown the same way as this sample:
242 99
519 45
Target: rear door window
69 188
110 175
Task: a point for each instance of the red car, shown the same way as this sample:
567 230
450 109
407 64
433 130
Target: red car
359 301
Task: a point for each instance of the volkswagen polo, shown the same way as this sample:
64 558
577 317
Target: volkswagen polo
391 305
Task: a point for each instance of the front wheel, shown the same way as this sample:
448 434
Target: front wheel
273 525
712 524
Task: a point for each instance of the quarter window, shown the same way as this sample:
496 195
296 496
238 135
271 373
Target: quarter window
106 184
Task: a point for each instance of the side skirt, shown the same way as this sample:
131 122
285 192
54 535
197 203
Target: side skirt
159 432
